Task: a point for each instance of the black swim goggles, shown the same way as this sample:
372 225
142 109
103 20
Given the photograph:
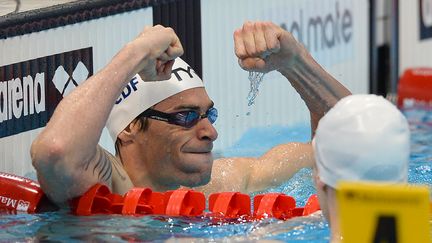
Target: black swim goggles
187 119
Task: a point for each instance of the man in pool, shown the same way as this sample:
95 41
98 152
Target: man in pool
163 129
362 138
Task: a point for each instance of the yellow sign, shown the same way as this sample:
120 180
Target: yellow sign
374 212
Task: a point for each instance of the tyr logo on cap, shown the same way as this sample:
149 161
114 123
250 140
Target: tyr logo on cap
177 71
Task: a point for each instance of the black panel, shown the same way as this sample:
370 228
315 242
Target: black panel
31 90
184 16
383 81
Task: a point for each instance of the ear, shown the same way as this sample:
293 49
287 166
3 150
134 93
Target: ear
129 134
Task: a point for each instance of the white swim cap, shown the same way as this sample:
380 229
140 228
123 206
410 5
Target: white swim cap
362 138
140 95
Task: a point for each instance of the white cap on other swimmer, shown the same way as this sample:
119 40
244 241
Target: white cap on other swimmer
140 95
362 138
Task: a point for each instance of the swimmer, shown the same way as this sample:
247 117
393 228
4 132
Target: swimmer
162 128
362 138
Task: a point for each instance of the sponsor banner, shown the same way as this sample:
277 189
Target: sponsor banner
425 7
18 204
326 31
31 90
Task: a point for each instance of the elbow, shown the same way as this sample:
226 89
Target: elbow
46 151
56 172
46 158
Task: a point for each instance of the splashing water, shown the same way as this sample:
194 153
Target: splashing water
255 79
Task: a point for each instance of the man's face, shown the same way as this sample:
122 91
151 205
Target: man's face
174 155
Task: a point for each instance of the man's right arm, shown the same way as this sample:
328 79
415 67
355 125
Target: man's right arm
68 160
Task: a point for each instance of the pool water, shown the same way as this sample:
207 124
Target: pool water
61 226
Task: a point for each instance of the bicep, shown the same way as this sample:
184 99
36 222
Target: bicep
279 164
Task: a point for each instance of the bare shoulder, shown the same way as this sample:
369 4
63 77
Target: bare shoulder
100 166
120 180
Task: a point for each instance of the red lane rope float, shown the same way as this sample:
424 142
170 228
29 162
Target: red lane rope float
117 201
137 201
183 202
415 88
97 200
19 194
190 203
312 205
230 204
274 205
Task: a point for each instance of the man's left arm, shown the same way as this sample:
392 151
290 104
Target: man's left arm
247 174
278 165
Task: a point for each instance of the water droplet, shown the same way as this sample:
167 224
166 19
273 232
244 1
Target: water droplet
255 79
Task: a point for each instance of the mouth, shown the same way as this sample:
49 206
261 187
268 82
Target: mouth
198 152
204 150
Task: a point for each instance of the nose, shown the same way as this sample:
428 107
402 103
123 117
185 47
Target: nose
206 130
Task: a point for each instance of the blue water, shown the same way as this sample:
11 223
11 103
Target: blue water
61 226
